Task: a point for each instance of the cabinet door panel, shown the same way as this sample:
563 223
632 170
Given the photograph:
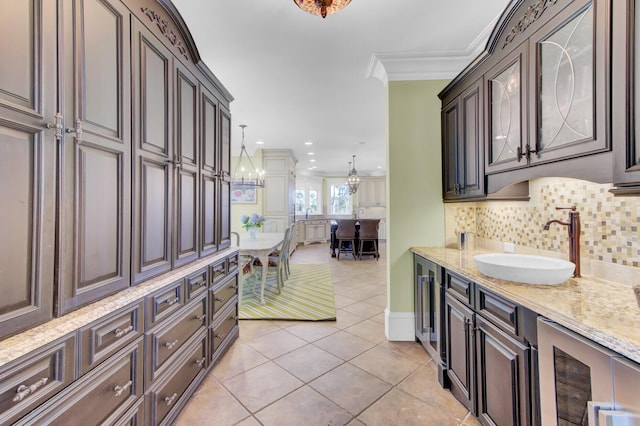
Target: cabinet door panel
460 351
186 118
154 162
95 169
472 142
209 220
186 244
450 147
209 131
225 144
224 212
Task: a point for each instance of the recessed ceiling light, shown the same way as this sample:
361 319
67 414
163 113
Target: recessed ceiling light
259 142
308 143
379 167
313 160
314 167
311 153
360 143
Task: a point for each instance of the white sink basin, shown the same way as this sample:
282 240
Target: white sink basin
524 268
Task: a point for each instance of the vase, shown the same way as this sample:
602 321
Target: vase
252 233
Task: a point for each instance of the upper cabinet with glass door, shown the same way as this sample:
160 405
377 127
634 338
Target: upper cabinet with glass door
626 96
571 66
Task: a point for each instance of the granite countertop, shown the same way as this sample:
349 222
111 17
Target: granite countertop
30 340
603 311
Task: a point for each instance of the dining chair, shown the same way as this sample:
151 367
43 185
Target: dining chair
346 234
368 233
277 262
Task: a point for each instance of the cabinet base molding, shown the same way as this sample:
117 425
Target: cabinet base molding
399 326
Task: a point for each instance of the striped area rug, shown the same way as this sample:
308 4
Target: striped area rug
307 295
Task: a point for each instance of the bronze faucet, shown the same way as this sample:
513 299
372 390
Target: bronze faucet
573 226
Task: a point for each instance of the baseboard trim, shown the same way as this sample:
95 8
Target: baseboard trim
399 326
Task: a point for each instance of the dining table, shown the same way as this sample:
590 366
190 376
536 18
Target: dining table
264 244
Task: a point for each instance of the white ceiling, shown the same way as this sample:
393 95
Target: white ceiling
297 77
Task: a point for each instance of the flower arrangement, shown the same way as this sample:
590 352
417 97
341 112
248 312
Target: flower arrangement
254 221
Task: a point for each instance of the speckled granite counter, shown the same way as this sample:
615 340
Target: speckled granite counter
604 311
34 338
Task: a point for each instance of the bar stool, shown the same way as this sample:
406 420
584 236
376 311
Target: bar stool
369 233
346 233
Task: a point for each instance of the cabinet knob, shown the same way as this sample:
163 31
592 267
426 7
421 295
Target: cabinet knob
221 299
171 345
77 130
201 317
200 362
169 399
172 301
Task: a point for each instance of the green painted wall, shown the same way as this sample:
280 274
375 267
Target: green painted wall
415 211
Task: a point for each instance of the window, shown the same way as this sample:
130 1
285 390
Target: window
308 195
340 200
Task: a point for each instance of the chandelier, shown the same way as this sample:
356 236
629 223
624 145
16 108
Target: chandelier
353 181
322 7
246 174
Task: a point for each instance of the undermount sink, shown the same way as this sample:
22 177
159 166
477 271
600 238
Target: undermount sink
524 268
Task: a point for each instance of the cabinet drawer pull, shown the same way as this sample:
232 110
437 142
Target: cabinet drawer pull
169 399
220 336
120 389
200 317
172 301
24 391
234 319
200 362
122 331
221 300
171 345
201 283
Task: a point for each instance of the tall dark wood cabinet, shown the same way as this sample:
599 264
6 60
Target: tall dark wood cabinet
28 163
224 179
153 154
209 111
95 162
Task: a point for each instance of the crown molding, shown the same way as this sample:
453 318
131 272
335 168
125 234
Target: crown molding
426 65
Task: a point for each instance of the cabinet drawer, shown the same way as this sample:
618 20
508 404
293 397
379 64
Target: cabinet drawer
221 294
163 303
166 340
105 337
167 393
134 415
500 311
459 287
102 396
31 380
218 271
233 263
196 284
223 327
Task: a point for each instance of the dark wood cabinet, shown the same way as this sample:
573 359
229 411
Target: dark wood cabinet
626 97
463 144
502 376
209 170
224 179
461 370
28 163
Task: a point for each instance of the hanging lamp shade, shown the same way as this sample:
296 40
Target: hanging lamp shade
353 180
245 173
322 7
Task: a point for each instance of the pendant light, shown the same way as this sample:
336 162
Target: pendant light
352 179
245 174
321 7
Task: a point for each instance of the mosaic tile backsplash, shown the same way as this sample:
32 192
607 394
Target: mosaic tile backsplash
609 224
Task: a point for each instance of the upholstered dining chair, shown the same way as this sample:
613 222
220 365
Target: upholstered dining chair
368 233
346 236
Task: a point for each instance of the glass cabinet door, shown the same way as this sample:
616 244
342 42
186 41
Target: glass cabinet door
506 101
571 62
566 83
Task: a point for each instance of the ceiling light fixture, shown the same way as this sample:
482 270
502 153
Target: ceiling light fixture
322 7
246 174
352 179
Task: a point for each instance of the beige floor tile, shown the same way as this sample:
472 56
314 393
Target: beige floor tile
342 301
200 410
386 364
423 384
363 309
378 300
259 387
239 358
370 330
250 329
411 349
379 318
345 345
277 343
311 331
471 420
304 406
346 319
308 362
249 421
356 422
401 409
350 387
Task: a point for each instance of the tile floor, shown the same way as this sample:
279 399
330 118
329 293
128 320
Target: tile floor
340 372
